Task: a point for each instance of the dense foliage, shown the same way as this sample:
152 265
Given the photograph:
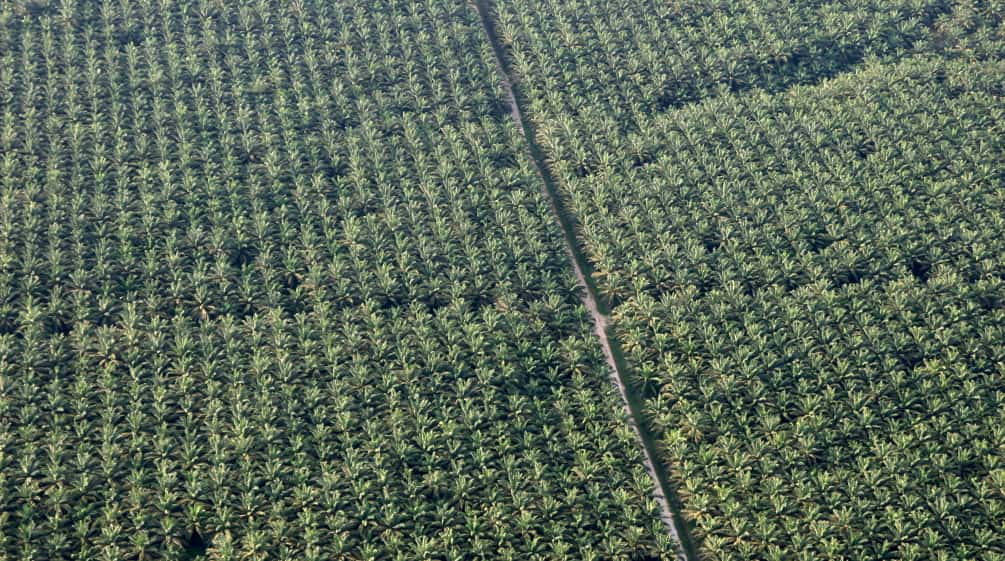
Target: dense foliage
276 279
824 350
588 61
804 255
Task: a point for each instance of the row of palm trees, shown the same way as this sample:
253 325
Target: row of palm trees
276 282
806 278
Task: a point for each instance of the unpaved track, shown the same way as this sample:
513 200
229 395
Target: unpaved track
597 309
